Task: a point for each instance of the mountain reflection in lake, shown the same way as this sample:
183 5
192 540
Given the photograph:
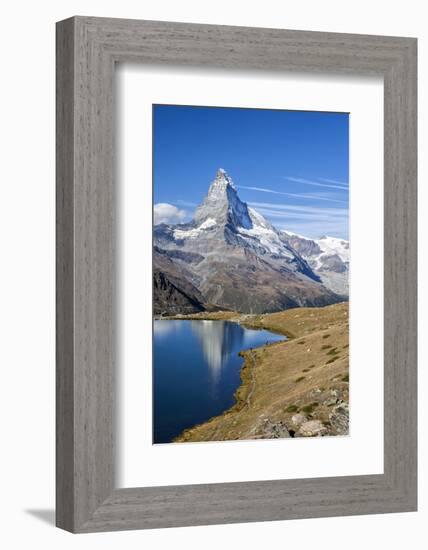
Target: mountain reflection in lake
217 339
196 371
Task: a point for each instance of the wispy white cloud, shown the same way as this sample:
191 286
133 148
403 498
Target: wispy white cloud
168 213
300 215
327 180
294 195
331 184
316 210
311 221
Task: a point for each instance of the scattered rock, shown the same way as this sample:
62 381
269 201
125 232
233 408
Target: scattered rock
339 418
298 419
280 430
274 430
330 402
312 428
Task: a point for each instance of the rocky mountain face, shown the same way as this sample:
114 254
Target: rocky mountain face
230 257
172 289
171 298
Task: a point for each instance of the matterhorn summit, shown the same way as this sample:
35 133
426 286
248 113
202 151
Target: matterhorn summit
223 204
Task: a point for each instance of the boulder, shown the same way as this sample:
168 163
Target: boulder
312 428
330 402
298 419
274 430
339 418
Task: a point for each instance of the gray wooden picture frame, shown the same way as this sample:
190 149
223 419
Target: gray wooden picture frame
87 50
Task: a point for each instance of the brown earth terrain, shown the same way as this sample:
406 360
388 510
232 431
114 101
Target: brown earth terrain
294 388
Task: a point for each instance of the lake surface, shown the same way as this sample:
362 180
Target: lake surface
196 371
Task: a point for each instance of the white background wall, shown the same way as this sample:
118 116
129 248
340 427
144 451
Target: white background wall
27 271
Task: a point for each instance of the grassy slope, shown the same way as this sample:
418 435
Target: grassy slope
278 380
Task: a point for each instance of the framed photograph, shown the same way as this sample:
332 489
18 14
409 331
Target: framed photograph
230 287
236 274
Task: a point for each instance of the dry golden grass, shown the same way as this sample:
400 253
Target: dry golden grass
281 379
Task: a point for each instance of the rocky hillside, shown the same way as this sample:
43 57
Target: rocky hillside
170 298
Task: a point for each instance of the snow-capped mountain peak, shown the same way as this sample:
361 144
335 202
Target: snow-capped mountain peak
221 184
223 204
333 245
327 256
223 212
229 255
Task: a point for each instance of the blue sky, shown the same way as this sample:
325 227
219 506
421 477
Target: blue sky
291 166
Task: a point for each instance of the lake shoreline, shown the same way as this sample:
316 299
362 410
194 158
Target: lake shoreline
241 396
242 392
327 381
197 368
247 320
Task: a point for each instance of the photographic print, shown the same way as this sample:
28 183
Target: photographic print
250 274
